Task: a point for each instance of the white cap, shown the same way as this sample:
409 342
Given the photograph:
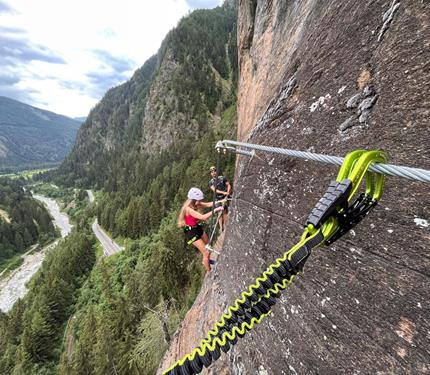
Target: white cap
195 193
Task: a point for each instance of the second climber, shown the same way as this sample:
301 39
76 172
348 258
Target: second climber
221 187
191 219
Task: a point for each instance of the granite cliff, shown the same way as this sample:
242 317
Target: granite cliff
328 77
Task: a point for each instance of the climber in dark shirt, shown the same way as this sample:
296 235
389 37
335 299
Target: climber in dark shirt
222 188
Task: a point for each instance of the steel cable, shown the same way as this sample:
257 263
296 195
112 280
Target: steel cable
386 169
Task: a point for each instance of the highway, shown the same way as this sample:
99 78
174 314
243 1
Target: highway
109 246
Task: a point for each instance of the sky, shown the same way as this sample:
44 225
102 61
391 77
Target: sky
63 55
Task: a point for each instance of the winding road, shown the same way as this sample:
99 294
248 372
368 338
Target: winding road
109 245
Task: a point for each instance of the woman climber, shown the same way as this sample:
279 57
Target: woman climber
190 219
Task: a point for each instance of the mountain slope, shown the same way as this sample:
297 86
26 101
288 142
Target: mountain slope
31 137
178 94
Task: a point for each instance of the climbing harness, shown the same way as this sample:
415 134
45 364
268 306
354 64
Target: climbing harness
335 214
193 233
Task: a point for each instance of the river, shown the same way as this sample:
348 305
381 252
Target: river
13 286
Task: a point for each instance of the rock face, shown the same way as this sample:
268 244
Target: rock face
329 77
157 127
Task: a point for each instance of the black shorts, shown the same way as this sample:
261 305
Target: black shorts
193 234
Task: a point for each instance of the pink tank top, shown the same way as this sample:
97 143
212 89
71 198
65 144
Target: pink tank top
190 220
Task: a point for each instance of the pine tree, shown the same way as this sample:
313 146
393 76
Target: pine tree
19 241
38 336
28 240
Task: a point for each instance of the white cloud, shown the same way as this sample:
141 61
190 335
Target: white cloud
90 36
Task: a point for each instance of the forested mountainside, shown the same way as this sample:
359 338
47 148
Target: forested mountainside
176 96
31 137
140 140
328 77
32 333
146 143
23 220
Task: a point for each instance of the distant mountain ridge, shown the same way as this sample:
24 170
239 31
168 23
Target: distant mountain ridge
33 137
